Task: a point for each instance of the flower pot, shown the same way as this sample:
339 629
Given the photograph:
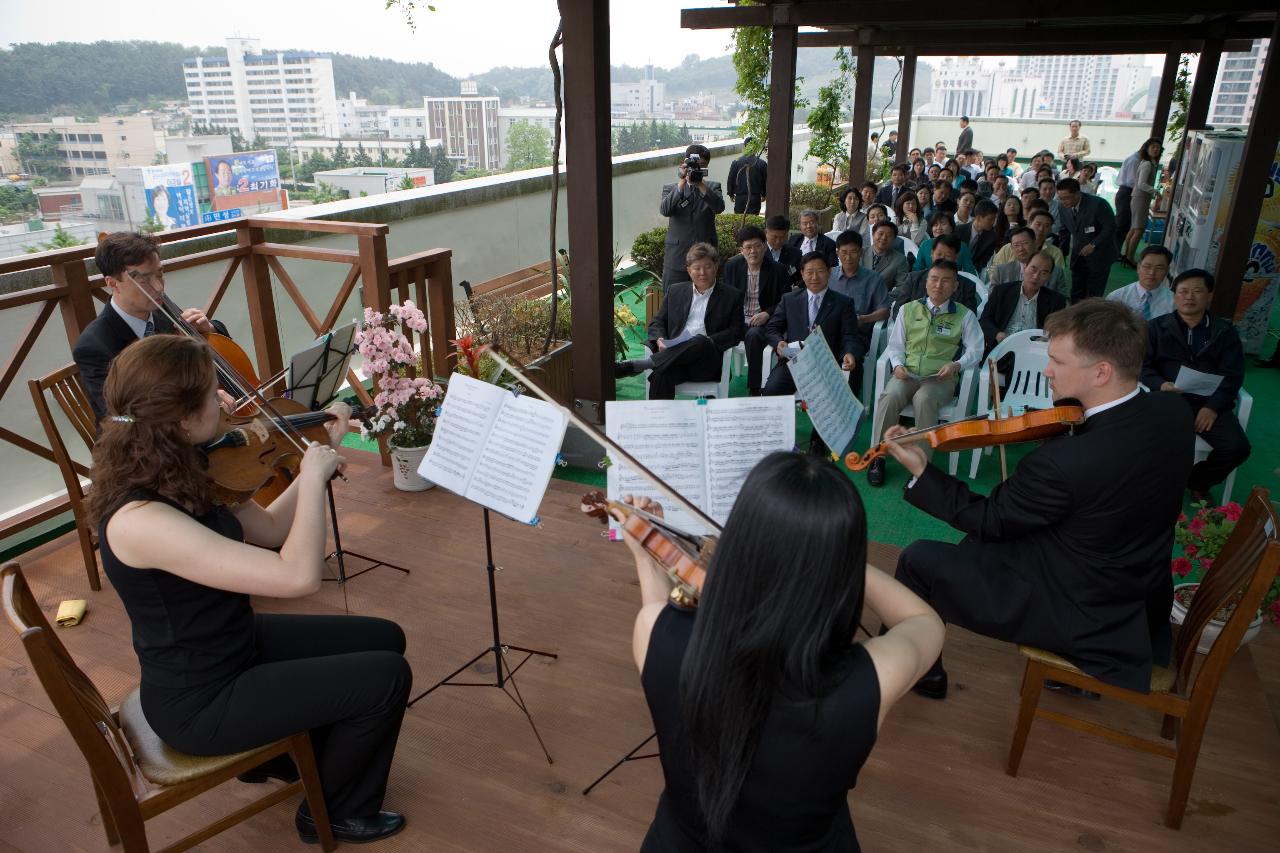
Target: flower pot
1214 627
404 469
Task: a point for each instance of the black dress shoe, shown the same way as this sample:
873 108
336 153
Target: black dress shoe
281 767
352 830
932 686
875 477
623 369
1070 690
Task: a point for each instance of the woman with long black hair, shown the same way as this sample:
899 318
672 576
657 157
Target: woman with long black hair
764 704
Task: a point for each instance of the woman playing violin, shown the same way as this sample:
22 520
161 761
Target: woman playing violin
216 677
765 705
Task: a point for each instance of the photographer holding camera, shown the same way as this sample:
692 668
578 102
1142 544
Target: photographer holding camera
691 204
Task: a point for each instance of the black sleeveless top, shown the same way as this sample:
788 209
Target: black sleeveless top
185 634
795 794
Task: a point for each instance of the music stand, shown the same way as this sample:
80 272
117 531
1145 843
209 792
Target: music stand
315 375
630 756
503 673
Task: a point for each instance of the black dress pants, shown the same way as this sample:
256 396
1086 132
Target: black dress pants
696 360
1124 213
343 678
1088 279
1230 449
755 344
746 204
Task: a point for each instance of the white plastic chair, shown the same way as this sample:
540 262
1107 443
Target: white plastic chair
983 290
879 340
1244 406
955 410
834 233
718 388
739 366
909 249
1027 389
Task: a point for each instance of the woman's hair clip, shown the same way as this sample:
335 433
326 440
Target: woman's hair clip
121 419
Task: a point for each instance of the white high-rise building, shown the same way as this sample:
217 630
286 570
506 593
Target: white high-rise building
357 117
1237 87
278 96
645 97
468 124
963 86
1089 87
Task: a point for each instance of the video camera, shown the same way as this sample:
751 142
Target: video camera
694 172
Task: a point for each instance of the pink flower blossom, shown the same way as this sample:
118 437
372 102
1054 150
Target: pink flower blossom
1182 518
1196 526
1273 611
1231 511
1206 563
1181 567
1191 550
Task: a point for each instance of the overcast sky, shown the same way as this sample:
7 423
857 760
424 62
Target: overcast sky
463 37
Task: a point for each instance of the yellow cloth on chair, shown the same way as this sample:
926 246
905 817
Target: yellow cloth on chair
70 612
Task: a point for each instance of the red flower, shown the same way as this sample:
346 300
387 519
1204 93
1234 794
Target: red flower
1273 611
1196 526
1181 567
1191 550
1231 511
1182 517
1206 563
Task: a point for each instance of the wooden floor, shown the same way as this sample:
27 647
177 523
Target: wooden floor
470 776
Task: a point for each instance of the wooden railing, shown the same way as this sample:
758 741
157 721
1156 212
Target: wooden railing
74 290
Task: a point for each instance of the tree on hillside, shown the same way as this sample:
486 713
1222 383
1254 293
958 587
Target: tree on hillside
317 162
39 155
341 160
443 166
237 141
528 147
17 203
361 157
258 143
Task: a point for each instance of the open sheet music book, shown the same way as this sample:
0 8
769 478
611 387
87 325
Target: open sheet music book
824 387
494 447
703 448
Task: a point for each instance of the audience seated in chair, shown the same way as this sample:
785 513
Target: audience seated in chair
776 231
762 281
809 240
943 222
945 248
1016 306
697 322
881 257
981 235
1191 337
1150 296
934 340
864 287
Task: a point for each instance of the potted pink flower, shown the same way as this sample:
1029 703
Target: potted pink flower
1200 539
404 406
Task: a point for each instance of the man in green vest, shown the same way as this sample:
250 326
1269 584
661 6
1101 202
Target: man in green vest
934 340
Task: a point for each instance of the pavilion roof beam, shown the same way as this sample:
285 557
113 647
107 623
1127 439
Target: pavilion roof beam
1114 48
1042 39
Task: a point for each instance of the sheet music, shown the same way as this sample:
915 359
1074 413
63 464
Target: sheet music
832 408
466 416
666 436
519 454
739 433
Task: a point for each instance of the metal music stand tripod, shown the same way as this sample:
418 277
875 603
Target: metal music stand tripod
630 756
503 673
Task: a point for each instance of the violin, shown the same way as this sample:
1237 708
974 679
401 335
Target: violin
683 556
981 431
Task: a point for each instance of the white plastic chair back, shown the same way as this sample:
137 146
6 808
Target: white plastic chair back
1244 406
909 246
714 388
955 410
1028 387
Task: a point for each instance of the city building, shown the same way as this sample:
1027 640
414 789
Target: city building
9 164
644 97
357 117
964 86
358 181
277 96
191 149
1089 87
544 117
468 124
1239 79
98 147
407 123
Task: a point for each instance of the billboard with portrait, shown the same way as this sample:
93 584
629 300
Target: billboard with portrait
243 180
171 195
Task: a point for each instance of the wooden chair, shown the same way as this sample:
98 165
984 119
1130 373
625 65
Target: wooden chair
1241 574
135 776
68 389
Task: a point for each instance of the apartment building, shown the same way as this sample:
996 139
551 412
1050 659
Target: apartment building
98 147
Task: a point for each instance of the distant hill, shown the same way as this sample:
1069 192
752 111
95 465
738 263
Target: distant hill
84 79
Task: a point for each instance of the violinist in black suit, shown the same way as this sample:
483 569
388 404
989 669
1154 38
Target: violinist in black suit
816 306
1071 553
130 264
710 314
809 240
762 282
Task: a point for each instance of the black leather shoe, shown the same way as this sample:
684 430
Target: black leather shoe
281 767
623 369
875 477
1070 690
932 686
352 830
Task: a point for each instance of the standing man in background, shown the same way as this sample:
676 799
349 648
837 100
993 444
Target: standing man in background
691 205
746 181
1074 145
966 136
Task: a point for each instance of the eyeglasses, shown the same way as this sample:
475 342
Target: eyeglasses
146 277
1191 291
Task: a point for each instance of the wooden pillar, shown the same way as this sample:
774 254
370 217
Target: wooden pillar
905 105
861 115
1164 100
1252 181
77 306
1202 88
261 301
589 168
782 113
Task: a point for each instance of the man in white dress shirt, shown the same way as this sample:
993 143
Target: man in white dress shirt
1150 296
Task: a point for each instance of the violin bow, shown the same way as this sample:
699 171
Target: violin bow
593 432
994 377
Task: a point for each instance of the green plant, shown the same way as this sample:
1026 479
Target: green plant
827 145
810 197
727 225
752 60
1201 538
648 248
1181 99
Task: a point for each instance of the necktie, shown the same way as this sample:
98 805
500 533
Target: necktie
150 329
1146 305
814 301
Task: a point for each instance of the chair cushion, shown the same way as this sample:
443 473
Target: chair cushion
1162 678
159 763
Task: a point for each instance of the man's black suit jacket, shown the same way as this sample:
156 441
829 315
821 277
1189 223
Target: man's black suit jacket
825 244
104 339
775 279
789 257
886 197
723 321
1081 536
837 318
981 249
1003 301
